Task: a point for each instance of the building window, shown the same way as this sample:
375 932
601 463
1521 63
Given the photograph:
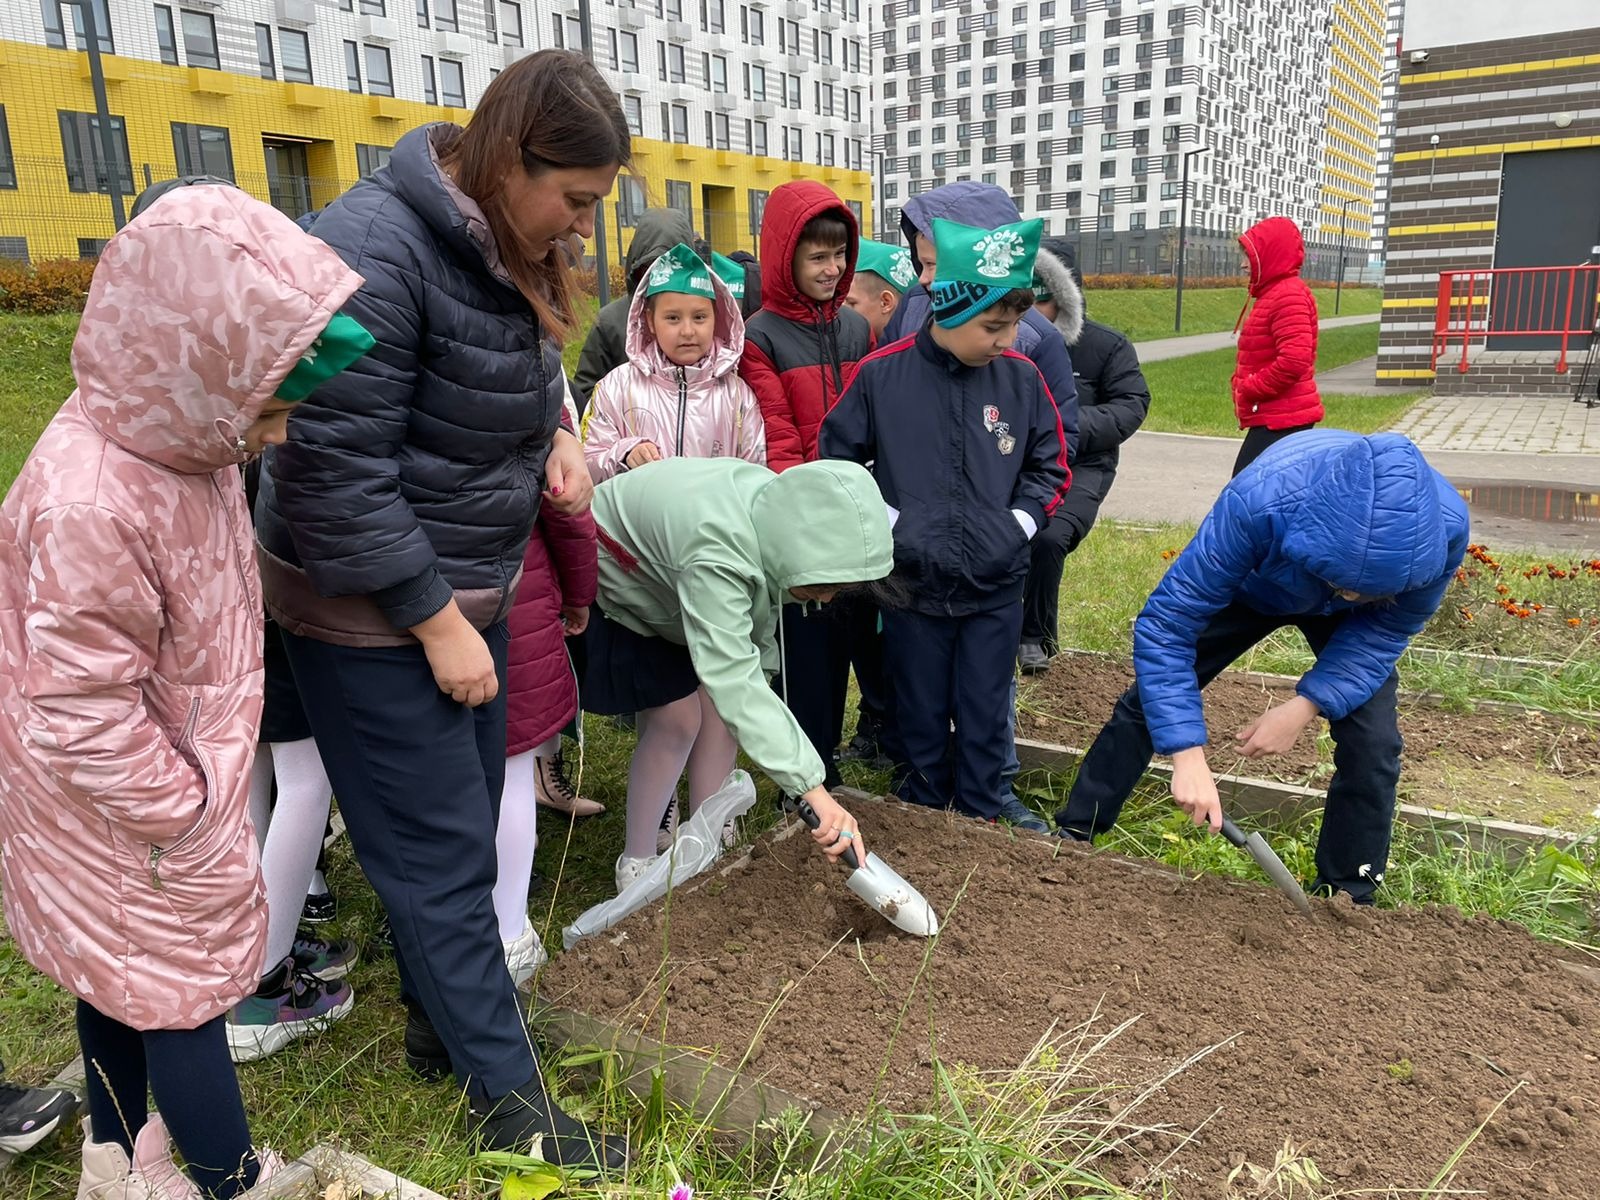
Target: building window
373 8
370 158
167 38
675 123
1172 104
295 48
633 110
264 59
630 200
753 25
627 51
444 16
82 148
200 40
717 73
430 89
511 26
717 137
55 35
380 82
711 16
758 138
758 210
1136 220
422 14
680 197
452 83
671 62
90 249
202 150
352 66
8 164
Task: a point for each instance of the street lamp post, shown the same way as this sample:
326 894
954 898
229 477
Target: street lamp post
102 110
602 267
1338 286
1183 233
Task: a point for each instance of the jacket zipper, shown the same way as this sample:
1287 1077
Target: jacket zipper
238 553
683 405
157 853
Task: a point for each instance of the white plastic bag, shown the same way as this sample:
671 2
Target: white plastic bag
698 845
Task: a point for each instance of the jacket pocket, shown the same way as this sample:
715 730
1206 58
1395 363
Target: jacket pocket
994 545
190 839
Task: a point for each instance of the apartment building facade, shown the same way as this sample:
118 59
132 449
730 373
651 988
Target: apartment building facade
296 99
1496 167
1085 110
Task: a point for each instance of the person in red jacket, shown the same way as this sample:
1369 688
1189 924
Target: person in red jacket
1275 381
558 585
800 352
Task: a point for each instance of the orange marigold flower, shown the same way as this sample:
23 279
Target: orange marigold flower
1168 555
1502 589
1466 615
1575 622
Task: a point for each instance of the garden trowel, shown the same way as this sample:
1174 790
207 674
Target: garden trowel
881 887
1256 847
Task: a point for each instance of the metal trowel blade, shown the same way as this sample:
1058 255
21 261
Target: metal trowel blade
1256 846
881 887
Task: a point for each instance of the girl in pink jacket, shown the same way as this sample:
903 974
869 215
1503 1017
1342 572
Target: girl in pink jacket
678 395
130 671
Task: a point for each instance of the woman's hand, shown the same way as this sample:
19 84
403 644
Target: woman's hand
644 452
566 475
1276 730
462 665
838 830
574 620
1193 788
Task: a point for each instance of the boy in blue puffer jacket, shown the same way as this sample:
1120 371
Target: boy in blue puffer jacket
967 448
1351 539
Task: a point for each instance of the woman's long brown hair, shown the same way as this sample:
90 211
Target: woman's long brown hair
549 110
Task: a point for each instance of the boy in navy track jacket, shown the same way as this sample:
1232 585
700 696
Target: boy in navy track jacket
967 447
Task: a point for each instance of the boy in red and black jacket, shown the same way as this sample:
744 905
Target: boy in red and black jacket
800 352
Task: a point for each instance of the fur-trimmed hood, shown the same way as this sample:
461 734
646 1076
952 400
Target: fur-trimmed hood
1056 268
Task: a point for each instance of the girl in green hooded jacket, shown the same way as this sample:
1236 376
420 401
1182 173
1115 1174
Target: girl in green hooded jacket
697 559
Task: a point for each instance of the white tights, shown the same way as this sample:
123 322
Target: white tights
517 837
290 832
687 731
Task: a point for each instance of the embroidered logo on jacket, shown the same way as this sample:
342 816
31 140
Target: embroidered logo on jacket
1001 429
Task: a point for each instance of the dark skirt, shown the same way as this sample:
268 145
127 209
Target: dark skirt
283 719
621 671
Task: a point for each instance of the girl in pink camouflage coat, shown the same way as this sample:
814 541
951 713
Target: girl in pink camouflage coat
130 671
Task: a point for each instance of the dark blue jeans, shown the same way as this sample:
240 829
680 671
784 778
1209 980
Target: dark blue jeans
1353 850
418 778
944 670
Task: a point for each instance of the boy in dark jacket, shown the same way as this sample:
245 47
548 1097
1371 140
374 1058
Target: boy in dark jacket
1351 539
799 353
988 207
1113 400
966 445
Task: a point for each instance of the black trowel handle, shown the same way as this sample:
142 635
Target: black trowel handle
1233 833
809 816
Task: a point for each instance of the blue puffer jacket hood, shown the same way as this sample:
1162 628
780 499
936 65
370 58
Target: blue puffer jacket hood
982 205
1320 512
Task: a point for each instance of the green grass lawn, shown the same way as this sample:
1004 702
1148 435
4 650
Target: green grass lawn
36 376
1147 315
1194 394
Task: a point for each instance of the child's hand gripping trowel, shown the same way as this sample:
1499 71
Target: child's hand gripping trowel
882 888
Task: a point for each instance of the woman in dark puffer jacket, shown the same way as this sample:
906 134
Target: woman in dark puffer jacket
1275 379
392 526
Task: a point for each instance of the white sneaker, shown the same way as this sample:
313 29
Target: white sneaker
629 869
730 835
151 1175
525 955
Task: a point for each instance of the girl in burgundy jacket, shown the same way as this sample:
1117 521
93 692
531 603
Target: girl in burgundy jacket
1275 381
558 585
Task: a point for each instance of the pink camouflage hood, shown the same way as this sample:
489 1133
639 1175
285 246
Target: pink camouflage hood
131 616
703 411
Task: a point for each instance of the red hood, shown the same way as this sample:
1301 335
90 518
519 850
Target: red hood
788 209
1275 249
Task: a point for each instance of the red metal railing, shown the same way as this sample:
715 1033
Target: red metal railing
1552 304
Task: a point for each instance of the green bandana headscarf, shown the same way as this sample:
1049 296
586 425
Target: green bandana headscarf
680 270
889 263
978 266
731 273
337 346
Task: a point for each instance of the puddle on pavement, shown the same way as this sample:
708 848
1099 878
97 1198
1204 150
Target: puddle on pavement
1532 502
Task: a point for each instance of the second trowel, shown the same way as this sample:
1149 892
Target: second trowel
1271 865
876 882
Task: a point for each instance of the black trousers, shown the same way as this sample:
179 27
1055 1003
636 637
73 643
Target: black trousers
944 670
1353 849
1257 438
872 678
816 678
1041 595
418 778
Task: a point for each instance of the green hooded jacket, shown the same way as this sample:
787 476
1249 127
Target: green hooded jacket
703 552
